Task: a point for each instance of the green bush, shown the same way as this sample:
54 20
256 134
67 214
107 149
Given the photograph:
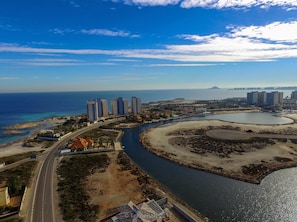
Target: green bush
73 198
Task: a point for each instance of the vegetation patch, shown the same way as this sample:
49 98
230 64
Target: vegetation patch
17 178
254 169
18 157
72 174
146 183
101 137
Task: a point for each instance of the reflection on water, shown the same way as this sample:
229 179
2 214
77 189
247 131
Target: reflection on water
219 198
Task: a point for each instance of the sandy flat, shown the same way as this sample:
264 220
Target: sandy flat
274 147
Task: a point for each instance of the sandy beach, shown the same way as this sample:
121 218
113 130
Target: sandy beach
17 147
241 151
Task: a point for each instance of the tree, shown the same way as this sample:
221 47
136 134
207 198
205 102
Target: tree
14 185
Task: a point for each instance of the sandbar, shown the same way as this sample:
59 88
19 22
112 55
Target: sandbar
240 151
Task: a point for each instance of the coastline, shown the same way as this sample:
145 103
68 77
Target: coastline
250 165
16 146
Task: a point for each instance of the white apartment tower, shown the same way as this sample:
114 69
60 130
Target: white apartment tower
294 95
135 105
114 107
275 98
92 110
102 107
252 98
119 106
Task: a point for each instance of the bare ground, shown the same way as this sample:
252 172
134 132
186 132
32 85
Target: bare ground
113 188
121 182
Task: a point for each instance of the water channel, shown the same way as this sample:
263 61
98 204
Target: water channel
222 199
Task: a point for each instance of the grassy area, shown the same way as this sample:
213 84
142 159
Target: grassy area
72 172
18 157
17 178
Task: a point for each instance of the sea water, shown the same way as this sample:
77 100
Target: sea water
26 107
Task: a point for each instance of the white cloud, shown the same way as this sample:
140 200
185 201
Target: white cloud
239 44
54 62
123 60
218 4
101 32
182 65
106 32
152 2
277 31
74 4
61 31
8 78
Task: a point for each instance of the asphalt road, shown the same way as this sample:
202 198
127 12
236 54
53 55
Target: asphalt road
42 204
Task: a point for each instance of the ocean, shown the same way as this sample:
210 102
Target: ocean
26 107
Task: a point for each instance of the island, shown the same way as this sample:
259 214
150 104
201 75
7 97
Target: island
241 151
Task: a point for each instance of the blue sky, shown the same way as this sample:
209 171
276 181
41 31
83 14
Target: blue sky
79 45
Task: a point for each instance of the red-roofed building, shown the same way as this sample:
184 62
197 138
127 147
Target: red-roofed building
79 143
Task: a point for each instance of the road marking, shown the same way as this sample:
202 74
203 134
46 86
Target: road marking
44 193
34 194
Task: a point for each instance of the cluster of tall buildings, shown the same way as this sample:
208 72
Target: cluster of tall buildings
98 108
265 98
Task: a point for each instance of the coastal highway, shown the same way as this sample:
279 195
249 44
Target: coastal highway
41 204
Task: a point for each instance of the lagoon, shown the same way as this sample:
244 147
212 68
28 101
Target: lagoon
222 199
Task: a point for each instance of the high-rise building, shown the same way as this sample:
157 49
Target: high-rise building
92 110
265 98
114 107
135 105
119 106
262 98
275 98
294 95
252 98
102 107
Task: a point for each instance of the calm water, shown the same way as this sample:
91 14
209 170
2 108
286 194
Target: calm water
252 118
219 198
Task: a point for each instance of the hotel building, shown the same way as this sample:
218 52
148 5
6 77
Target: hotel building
102 107
265 98
119 106
275 98
92 110
135 105
294 95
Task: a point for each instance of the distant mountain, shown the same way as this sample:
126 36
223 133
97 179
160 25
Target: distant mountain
214 87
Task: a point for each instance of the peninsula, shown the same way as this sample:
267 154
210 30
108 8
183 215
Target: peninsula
240 151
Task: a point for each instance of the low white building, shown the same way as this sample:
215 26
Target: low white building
4 196
149 211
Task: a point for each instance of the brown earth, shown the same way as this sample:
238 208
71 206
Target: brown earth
122 182
113 188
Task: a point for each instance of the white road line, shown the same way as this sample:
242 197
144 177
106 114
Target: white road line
44 194
34 194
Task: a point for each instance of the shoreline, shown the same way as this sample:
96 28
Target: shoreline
272 157
16 146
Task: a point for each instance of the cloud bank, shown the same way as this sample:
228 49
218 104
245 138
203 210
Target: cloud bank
217 4
100 32
239 44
